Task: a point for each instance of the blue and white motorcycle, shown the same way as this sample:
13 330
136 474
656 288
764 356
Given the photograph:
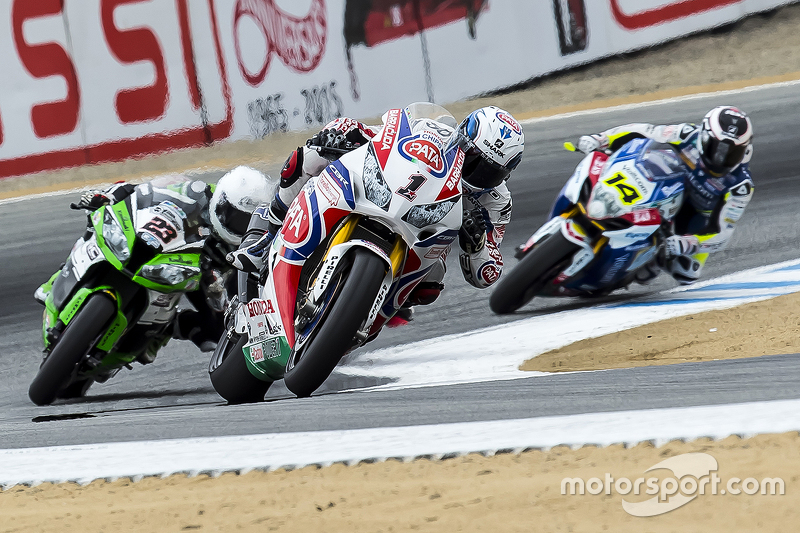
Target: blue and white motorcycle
607 223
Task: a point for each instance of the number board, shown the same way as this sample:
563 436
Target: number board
628 193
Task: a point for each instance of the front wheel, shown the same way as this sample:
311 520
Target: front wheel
345 315
536 269
78 338
231 378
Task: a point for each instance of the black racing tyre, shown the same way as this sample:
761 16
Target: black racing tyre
75 342
231 378
76 389
536 269
335 334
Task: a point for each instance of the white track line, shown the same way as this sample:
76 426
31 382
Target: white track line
561 116
675 99
496 352
17 199
86 463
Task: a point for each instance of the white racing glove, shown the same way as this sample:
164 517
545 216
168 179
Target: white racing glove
680 245
92 200
251 253
215 291
590 143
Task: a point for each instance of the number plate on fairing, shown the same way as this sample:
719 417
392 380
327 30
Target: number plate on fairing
85 254
164 223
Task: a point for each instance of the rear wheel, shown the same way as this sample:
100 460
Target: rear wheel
536 269
312 364
231 378
77 339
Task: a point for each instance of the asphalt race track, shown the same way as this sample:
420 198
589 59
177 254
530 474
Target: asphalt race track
174 398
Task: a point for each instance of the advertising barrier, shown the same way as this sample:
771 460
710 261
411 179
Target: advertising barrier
88 81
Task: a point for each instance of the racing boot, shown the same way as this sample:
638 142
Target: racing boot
647 273
188 327
425 293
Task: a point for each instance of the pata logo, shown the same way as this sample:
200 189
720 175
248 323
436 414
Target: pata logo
426 152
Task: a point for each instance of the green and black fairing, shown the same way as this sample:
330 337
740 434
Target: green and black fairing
115 260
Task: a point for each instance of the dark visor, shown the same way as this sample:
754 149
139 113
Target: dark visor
232 219
722 155
479 171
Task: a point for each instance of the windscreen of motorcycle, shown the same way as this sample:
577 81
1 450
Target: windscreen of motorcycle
433 112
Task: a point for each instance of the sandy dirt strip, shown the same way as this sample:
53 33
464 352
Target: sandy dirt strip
476 493
770 327
472 493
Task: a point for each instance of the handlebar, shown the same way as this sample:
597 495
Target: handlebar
322 150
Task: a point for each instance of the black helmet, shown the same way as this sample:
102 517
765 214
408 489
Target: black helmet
724 137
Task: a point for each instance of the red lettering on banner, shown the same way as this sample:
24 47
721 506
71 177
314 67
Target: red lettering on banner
141 104
644 217
259 307
388 136
667 13
121 148
45 60
299 42
188 53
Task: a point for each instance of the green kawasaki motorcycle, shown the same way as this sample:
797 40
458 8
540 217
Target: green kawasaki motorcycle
114 300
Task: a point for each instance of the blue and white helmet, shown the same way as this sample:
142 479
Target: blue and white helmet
493 142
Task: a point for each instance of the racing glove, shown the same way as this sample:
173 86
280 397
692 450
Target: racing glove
215 290
590 143
472 235
331 143
680 245
91 200
252 252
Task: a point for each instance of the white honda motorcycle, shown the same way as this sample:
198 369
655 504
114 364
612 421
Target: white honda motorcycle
354 244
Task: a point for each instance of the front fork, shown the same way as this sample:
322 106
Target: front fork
338 246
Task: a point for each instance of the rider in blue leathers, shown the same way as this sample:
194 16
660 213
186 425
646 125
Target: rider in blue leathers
718 189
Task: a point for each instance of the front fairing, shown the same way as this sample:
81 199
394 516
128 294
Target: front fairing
642 175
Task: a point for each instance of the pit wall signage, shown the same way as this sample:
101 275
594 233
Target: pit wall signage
88 81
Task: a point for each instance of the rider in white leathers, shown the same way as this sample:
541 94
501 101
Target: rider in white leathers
719 187
493 142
